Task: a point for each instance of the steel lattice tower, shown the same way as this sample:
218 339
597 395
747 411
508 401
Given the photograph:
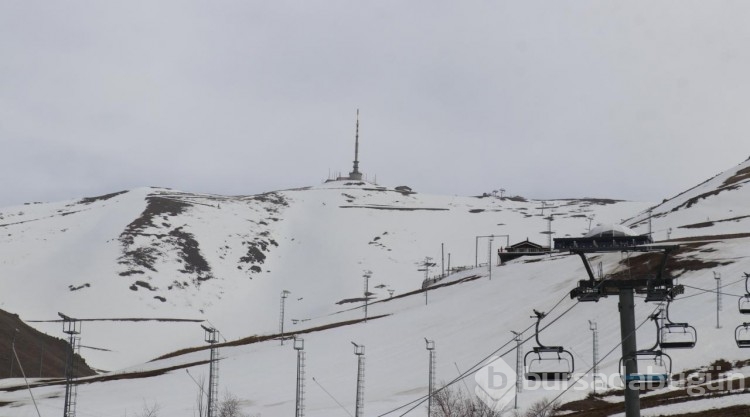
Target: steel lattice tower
212 337
431 381
299 346
284 295
72 328
519 367
595 351
359 409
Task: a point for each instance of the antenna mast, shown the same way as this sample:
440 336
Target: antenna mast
355 174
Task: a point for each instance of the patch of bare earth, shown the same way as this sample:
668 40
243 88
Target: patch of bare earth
682 260
711 223
41 355
741 175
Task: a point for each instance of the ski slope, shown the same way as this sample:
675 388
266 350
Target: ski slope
326 242
134 255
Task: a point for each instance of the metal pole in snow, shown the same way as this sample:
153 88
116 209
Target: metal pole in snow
431 375
476 252
519 369
367 292
442 257
595 351
717 277
284 295
489 256
427 260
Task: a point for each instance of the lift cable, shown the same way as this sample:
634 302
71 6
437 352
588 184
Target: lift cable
475 367
421 400
703 290
602 359
13 346
417 402
332 397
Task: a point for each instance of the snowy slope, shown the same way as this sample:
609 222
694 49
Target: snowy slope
163 253
717 206
468 321
326 240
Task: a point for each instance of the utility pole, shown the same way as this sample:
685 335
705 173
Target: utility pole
211 336
442 258
449 263
359 409
367 276
284 295
299 346
544 205
595 350
431 375
476 246
426 266
591 218
717 277
650 230
490 258
549 232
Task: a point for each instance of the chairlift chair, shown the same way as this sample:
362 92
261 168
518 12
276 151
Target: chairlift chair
547 363
743 304
742 335
657 363
676 335
658 367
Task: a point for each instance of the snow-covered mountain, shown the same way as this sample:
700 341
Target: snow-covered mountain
163 253
716 206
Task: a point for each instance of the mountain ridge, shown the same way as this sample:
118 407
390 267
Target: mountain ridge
322 253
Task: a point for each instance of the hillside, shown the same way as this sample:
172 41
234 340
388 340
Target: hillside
715 206
41 355
161 253
226 260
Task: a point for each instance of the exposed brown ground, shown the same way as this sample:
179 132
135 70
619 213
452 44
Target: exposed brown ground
41 355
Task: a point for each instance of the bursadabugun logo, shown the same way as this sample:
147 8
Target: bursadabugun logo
496 384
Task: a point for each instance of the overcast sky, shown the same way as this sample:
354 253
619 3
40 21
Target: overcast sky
547 99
